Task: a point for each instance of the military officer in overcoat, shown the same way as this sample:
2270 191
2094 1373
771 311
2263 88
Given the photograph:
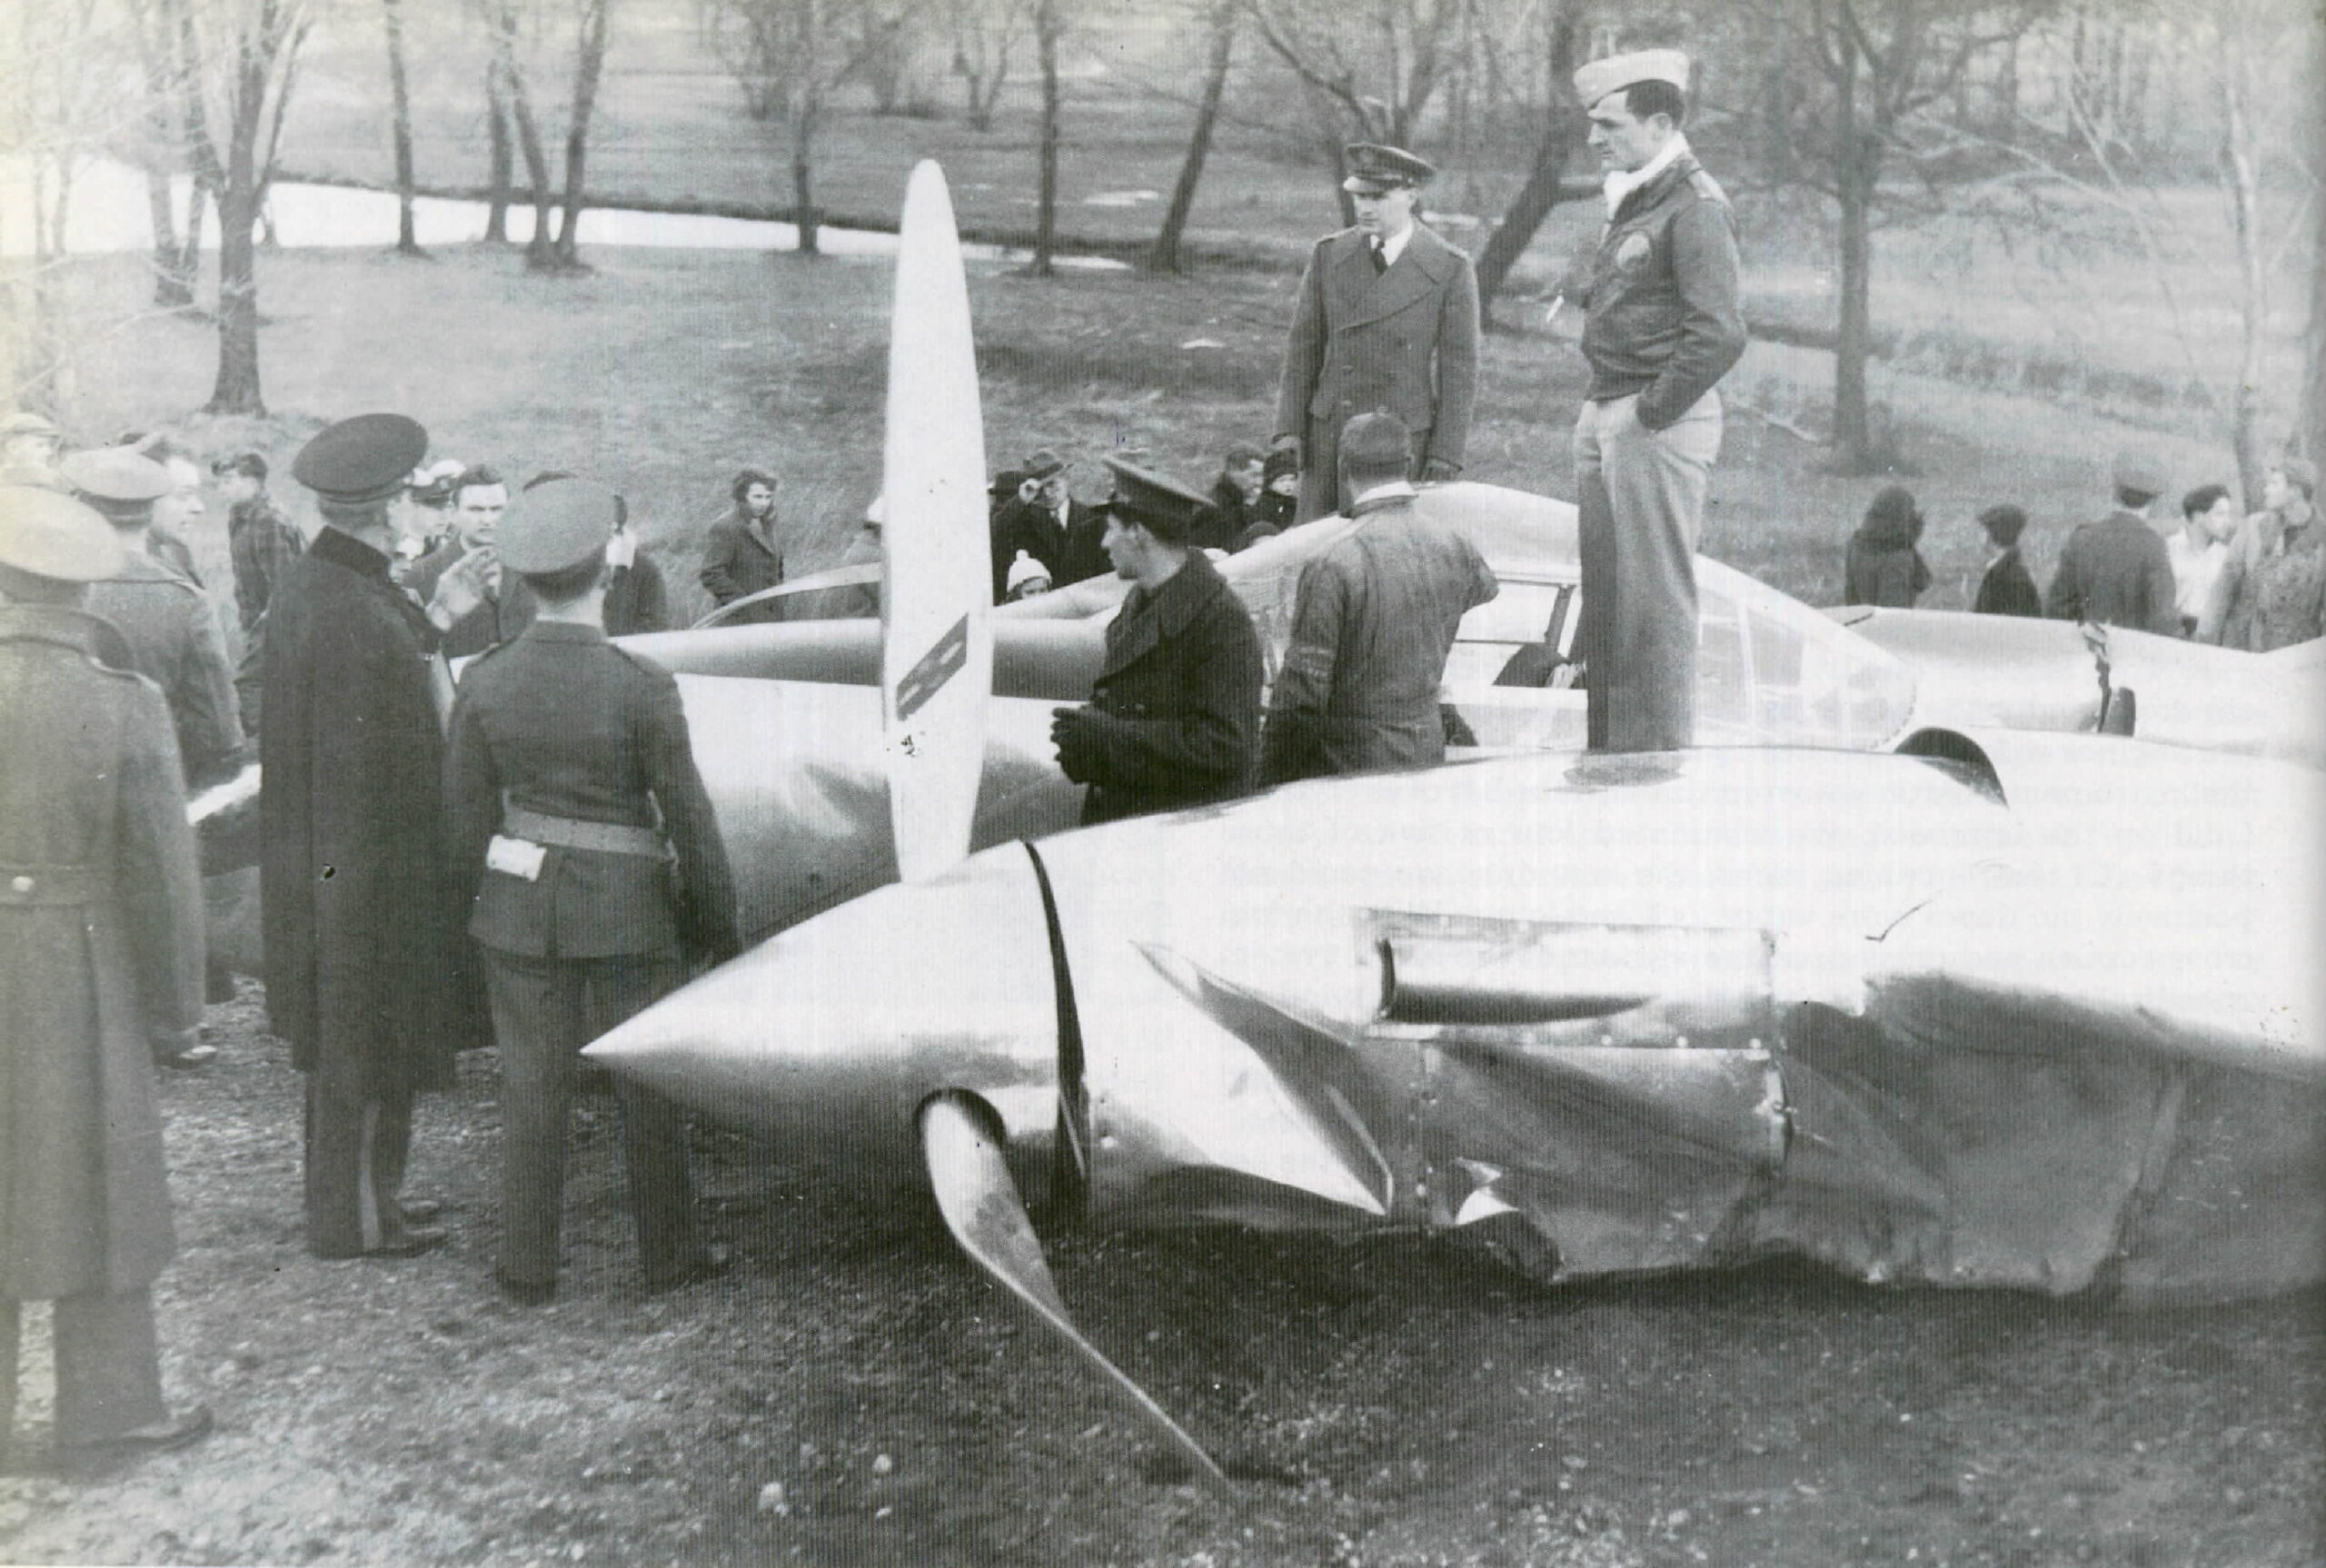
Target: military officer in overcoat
1387 320
100 955
169 624
366 971
593 869
1174 717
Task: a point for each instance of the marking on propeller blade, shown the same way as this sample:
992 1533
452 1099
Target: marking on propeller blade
927 678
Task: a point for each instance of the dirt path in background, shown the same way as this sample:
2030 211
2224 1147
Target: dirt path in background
854 1394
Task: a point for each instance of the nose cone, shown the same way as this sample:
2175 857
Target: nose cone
828 1038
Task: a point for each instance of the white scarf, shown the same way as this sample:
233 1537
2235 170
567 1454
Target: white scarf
1621 183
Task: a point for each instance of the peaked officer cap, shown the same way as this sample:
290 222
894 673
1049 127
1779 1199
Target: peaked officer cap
1166 507
118 481
49 535
1374 168
361 460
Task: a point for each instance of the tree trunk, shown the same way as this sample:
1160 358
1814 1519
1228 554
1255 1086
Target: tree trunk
2240 159
540 254
807 109
1563 132
400 100
1164 255
172 290
237 388
501 173
1855 168
1046 31
588 68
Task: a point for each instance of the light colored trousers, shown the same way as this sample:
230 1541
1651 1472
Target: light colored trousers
108 1366
1640 497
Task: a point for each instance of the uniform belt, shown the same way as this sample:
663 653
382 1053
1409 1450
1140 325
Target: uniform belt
53 885
572 833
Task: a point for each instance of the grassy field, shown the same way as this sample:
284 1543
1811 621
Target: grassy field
665 371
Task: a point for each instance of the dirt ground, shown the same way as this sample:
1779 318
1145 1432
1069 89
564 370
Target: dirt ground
854 1394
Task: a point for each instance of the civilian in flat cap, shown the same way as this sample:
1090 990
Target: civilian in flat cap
366 967
168 623
1174 717
1372 623
2272 590
593 869
1662 327
100 955
2116 571
1387 320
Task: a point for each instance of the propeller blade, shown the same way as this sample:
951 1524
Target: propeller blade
983 1208
935 640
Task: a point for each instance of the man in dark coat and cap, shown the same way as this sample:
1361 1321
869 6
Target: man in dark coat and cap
1386 319
100 955
1372 624
584 836
2117 571
365 962
1174 717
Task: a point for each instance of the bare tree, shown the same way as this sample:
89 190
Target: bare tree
1163 256
1380 61
983 33
501 172
1048 25
400 100
163 148
589 67
238 62
540 252
1562 134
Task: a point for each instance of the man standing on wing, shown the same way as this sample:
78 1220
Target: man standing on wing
1663 325
1387 322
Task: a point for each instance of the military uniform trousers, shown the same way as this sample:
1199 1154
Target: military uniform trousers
108 1366
544 1010
1640 505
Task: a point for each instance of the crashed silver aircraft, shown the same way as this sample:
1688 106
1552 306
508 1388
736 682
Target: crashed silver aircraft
1983 1008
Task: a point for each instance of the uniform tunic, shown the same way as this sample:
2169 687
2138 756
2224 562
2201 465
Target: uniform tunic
1403 341
100 955
1177 706
562 725
1373 622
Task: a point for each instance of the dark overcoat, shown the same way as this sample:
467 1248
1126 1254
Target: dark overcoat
1177 702
1069 551
2006 588
173 638
100 954
364 957
739 560
1405 341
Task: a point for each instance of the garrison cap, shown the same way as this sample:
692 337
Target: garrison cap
29 423
553 526
1164 507
1374 168
2137 469
1616 72
117 481
362 460
1043 463
1376 440
48 533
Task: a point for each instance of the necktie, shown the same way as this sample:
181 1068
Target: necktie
1380 258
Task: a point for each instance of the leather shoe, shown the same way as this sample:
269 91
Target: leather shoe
163 1437
418 1210
715 1259
525 1293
